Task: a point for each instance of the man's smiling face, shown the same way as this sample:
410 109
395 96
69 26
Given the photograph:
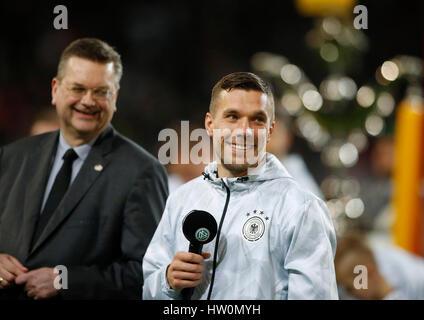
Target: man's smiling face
240 126
85 98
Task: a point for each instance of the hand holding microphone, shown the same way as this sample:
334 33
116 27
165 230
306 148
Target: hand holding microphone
185 271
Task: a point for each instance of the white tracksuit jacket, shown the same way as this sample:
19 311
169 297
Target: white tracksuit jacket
277 240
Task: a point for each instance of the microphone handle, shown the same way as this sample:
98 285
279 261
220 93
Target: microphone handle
186 293
195 248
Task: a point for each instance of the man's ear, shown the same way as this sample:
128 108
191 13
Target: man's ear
55 85
270 131
116 99
209 124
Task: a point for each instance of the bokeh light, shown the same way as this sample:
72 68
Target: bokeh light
365 96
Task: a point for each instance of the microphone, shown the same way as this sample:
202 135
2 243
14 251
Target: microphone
199 227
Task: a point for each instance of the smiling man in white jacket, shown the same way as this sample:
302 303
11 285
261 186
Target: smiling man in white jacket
275 240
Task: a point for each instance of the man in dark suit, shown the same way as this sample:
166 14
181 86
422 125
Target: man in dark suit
83 199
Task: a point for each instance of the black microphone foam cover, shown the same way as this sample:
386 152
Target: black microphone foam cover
199 227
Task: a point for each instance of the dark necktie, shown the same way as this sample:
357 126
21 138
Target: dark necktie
61 184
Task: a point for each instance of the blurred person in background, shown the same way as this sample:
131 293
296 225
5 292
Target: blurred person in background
280 145
391 273
178 172
83 197
45 120
374 174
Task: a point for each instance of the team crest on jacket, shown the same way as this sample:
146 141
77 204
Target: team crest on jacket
253 228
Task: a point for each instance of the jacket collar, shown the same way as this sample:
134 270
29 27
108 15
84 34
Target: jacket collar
269 168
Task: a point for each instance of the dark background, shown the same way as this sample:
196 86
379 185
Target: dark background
173 52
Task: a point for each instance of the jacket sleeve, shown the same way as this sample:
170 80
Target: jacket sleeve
123 278
310 255
158 256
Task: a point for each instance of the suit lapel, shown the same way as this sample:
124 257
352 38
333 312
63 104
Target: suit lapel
92 168
40 161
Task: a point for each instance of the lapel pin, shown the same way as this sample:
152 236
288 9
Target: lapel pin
98 167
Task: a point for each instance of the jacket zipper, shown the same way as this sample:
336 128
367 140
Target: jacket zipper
217 238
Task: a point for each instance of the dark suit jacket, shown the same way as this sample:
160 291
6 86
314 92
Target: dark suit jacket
101 229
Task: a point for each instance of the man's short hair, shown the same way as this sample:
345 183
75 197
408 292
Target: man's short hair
244 81
91 49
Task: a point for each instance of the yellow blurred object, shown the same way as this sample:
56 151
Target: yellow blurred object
408 230
324 8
